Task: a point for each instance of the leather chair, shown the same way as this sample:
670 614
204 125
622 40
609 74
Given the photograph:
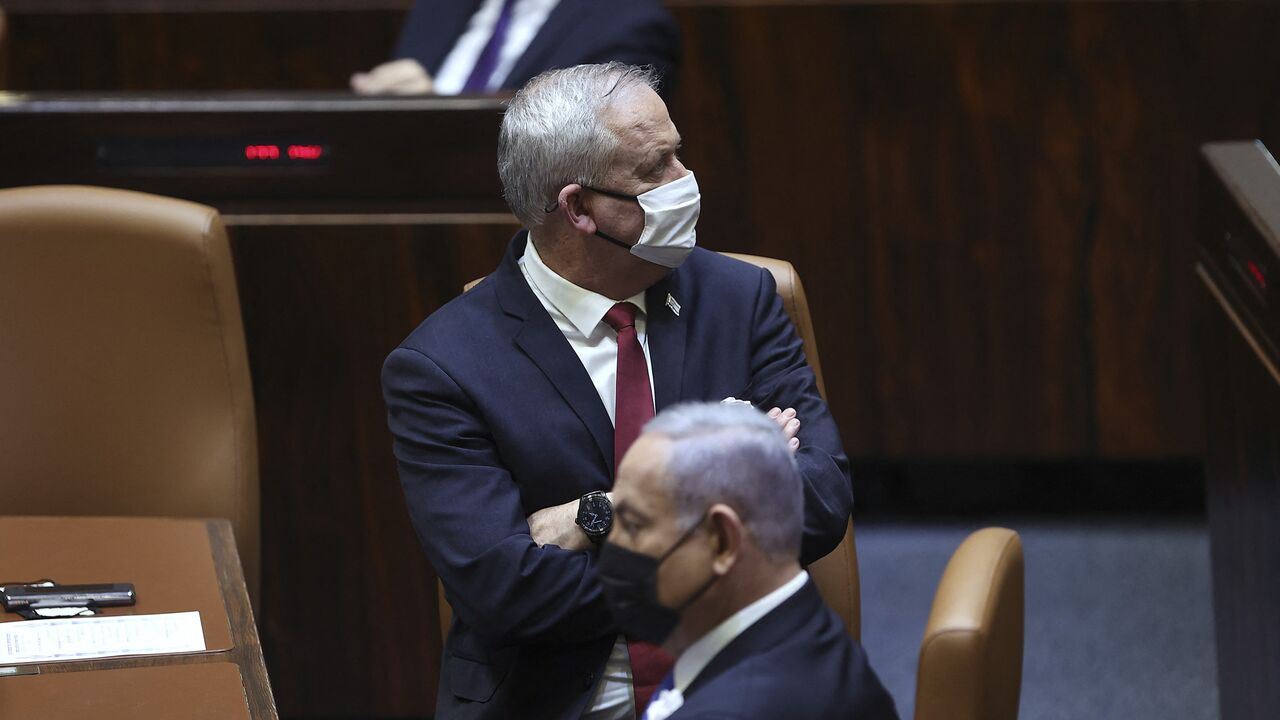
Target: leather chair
124 382
971 655
836 575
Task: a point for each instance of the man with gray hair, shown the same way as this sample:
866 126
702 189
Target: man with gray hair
511 404
703 559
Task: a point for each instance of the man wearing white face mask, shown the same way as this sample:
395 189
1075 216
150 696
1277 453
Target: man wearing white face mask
511 405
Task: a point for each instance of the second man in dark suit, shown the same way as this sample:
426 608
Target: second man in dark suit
702 558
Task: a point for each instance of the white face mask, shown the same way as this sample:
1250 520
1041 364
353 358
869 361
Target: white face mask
670 217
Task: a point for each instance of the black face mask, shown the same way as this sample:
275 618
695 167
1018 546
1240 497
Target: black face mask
630 582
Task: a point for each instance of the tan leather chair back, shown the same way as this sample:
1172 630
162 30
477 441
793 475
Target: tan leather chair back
124 382
971 656
836 575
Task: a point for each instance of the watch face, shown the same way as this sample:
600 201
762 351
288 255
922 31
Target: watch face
595 515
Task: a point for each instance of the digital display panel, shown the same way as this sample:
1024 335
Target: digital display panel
184 153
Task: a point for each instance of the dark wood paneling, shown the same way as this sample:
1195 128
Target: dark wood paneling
931 200
993 204
197 51
349 620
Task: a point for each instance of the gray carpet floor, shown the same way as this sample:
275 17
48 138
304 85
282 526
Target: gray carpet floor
1119 614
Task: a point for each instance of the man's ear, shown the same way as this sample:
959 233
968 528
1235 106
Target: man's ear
572 207
727 537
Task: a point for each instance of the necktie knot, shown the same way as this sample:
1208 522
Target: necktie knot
620 316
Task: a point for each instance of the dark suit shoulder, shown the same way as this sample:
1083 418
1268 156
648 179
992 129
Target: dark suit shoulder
798 661
715 273
822 677
469 323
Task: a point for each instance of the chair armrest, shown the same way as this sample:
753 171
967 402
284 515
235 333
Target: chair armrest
971 655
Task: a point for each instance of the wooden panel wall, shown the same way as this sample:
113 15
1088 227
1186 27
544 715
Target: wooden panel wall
348 622
991 205
993 202
195 51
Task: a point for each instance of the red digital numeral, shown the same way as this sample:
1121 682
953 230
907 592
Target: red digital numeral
262 152
305 152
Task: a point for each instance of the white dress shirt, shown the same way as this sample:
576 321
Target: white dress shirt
527 18
579 313
698 655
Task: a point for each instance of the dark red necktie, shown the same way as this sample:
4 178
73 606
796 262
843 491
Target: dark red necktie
633 408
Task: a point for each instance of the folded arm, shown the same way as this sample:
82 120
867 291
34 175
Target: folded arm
466 509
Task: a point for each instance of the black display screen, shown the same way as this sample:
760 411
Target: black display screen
162 153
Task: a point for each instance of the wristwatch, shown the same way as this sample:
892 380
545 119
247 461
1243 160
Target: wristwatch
595 515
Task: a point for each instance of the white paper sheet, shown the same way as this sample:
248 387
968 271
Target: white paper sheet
33 641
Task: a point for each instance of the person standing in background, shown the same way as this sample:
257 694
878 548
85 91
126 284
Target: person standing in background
451 47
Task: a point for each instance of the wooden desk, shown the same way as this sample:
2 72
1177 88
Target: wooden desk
64 553
1240 267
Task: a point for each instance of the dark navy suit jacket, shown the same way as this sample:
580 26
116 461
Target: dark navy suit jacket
637 32
795 662
495 417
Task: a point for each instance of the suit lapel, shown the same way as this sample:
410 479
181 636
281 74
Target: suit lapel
667 334
544 344
554 32
780 625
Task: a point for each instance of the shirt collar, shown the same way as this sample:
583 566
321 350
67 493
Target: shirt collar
583 308
698 655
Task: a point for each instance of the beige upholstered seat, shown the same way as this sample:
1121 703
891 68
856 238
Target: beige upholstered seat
971 656
124 382
836 575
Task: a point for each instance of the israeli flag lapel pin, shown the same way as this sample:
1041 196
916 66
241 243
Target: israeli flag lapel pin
673 305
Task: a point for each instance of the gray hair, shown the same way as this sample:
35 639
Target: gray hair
736 455
553 133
